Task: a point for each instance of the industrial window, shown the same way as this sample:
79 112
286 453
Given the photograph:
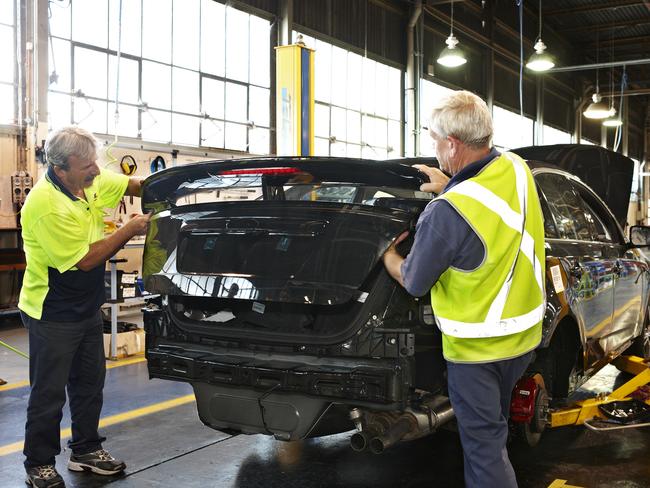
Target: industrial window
550 135
510 129
357 104
192 72
429 93
8 62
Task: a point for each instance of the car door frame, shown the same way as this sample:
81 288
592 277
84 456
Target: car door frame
582 300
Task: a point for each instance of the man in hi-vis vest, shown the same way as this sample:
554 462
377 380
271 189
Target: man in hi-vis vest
479 249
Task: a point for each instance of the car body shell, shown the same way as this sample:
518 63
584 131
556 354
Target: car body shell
278 310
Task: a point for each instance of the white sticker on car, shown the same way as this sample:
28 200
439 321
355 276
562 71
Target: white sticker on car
362 297
258 307
558 284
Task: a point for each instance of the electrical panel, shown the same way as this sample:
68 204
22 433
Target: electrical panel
21 185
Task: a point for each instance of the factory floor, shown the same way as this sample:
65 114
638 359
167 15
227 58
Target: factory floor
153 426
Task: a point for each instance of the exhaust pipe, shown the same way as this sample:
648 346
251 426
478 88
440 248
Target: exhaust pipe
359 441
380 430
405 424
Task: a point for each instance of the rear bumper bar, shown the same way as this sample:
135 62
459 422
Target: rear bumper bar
379 381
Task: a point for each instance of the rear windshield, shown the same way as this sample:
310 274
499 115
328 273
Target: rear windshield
294 187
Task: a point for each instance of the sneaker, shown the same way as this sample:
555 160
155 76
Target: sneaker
100 462
44 477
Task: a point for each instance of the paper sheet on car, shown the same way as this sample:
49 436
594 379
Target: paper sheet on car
558 284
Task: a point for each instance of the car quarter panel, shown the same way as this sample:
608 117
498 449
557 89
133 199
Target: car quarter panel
606 286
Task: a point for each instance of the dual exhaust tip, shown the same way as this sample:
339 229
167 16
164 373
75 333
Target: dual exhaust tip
379 443
409 425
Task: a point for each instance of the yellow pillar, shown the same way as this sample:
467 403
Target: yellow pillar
294 100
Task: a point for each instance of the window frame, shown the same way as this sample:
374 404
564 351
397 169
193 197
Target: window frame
530 138
572 181
600 210
344 147
16 67
170 111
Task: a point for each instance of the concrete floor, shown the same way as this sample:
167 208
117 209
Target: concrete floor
153 426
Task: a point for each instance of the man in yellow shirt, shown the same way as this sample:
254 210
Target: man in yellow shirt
63 290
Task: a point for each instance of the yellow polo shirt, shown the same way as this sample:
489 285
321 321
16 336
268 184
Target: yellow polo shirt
57 230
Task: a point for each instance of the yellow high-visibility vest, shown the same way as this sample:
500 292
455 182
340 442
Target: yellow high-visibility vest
495 311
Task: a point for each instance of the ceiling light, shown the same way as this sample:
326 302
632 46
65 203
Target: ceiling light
540 60
597 109
452 56
612 122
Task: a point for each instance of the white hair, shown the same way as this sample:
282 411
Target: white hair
465 116
69 141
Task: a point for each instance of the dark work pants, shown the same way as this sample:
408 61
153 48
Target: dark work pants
63 355
480 395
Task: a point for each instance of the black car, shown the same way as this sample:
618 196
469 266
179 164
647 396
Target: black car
274 303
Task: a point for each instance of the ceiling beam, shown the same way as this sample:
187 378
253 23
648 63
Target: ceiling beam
592 8
433 3
591 66
626 93
602 27
604 43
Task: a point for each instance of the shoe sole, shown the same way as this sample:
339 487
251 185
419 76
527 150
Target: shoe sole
28 482
74 466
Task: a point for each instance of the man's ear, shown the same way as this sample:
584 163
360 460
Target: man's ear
454 145
59 172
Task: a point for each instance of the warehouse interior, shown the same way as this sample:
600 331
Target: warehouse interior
163 84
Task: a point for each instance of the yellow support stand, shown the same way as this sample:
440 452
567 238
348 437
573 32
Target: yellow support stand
584 411
295 100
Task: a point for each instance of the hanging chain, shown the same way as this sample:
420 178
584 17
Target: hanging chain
452 18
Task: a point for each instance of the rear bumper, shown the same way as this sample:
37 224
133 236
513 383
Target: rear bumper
288 397
345 380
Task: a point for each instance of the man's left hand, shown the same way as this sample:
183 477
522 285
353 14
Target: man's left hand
393 259
437 179
400 238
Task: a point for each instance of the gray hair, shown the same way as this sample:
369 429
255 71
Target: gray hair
69 141
465 116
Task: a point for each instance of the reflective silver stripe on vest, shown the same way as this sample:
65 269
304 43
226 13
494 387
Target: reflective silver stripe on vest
494 325
513 325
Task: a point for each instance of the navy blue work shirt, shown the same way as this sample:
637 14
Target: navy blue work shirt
443 239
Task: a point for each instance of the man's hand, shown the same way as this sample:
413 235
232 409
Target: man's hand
134 188
399 239
393 260
138 224
437 179
100 251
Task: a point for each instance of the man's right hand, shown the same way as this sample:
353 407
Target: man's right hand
138 224
437 179
102 250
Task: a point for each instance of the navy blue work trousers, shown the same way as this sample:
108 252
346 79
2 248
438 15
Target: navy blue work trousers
480 395
63 355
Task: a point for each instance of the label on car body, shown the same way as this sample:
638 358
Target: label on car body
558 284
258 307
